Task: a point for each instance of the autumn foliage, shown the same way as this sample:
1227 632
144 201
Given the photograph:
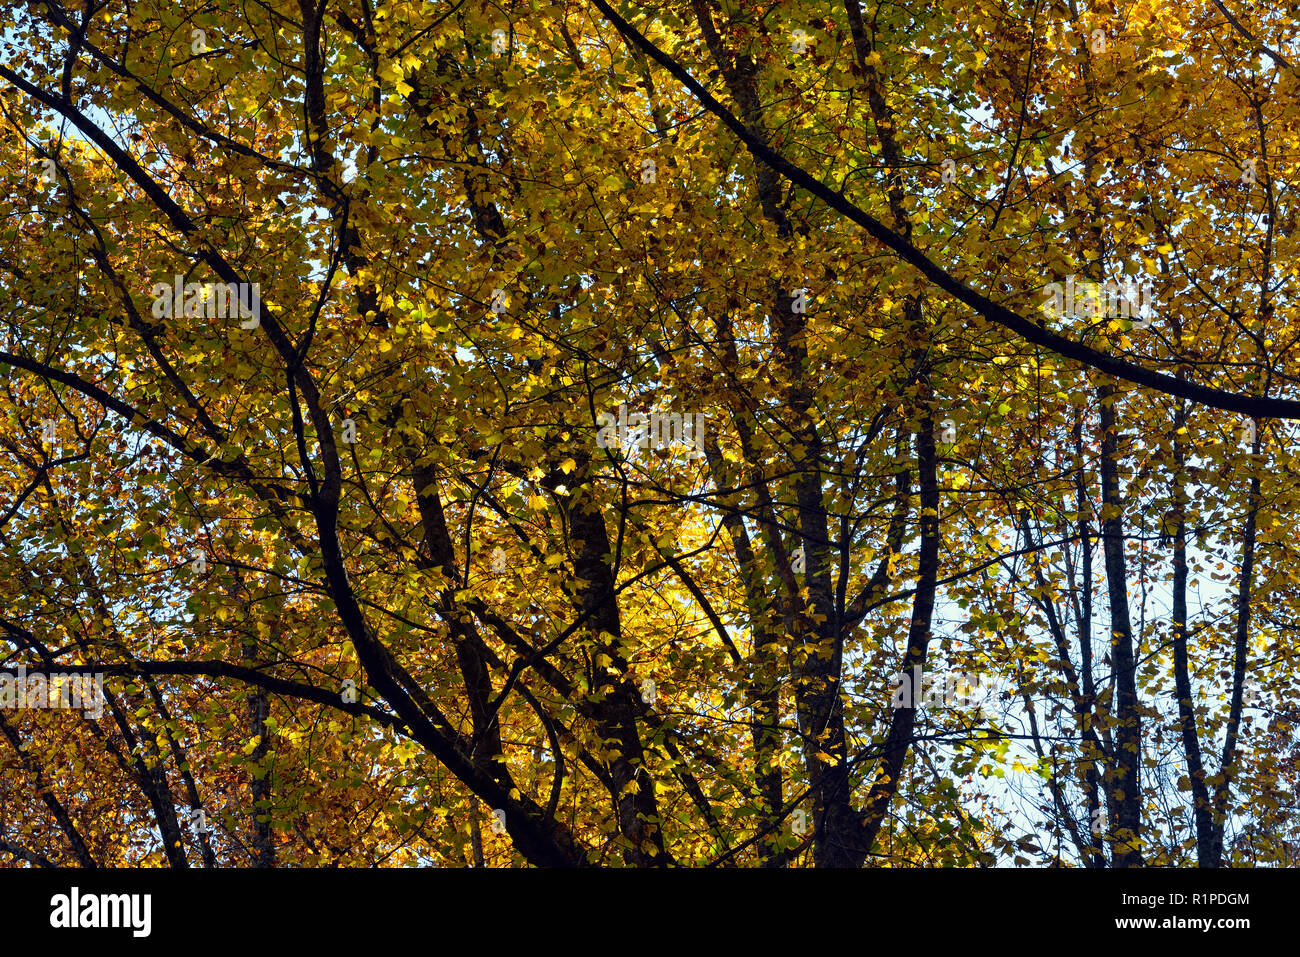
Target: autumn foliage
633 392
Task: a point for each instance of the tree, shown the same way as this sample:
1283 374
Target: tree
546 434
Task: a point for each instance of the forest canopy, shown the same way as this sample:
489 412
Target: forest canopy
692 433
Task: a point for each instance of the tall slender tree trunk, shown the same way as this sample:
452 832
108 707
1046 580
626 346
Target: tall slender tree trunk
1125 789
1201 811
1240 653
